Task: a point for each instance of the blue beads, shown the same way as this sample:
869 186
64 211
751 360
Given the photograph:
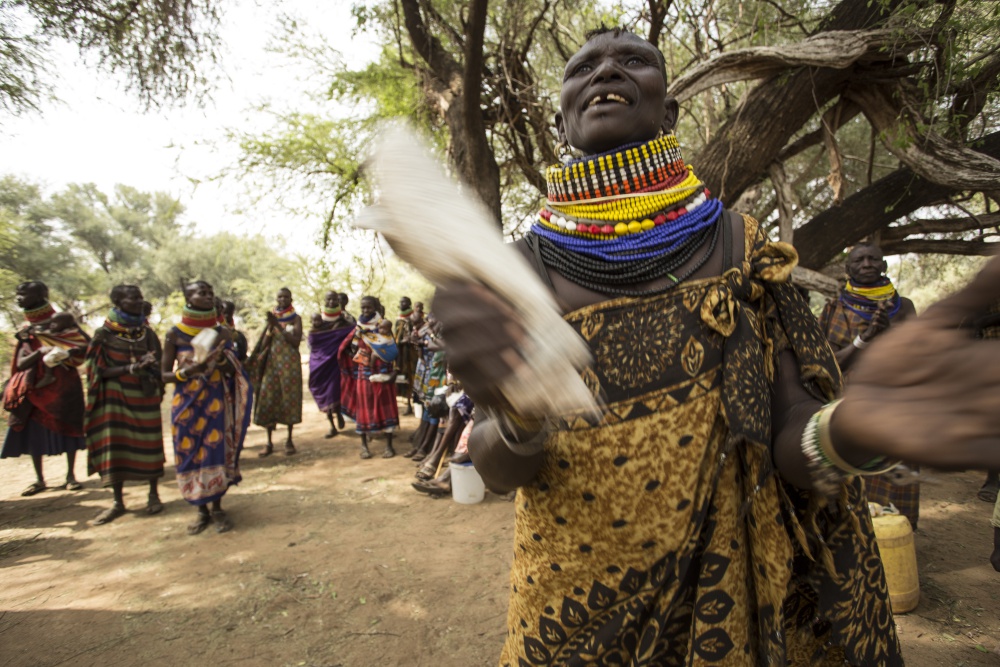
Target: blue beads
660 240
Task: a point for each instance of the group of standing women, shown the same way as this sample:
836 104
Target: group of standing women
120 423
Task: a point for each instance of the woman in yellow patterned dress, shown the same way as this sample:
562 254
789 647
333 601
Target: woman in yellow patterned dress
706 517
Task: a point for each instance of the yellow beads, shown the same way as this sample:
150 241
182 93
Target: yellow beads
647 224
635 226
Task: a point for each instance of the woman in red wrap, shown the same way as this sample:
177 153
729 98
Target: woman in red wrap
44 395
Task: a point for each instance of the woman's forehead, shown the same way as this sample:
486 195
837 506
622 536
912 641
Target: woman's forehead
608 41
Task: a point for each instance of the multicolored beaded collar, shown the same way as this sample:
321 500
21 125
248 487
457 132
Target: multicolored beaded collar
866 299
631 190
330 314
124 323
193 321
40 314
628 217
403 314
286 315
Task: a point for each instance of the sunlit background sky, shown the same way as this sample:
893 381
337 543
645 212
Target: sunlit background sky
97 133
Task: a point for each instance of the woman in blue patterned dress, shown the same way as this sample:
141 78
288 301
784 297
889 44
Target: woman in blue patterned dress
210 411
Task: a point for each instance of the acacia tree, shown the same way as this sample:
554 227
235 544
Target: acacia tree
832 121
160 46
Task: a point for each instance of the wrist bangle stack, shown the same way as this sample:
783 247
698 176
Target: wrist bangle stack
860 343
826 467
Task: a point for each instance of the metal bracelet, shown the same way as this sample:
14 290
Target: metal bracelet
860 343
826 477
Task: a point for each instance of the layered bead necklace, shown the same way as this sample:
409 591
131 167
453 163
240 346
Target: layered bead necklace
865 299
285 316
125 325
634 215
193 321
39 314
331 314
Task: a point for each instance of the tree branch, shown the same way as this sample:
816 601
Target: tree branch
871 209
927 153
939 246
941 226
835 49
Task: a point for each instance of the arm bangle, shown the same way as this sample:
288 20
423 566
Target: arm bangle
859 343
181 375
875 466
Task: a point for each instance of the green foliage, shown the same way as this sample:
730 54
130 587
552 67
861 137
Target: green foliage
925 279
159 47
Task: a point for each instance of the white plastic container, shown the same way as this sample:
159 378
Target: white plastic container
467 486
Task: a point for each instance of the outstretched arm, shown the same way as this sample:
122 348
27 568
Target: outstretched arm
932 393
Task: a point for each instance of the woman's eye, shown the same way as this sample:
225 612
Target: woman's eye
635 60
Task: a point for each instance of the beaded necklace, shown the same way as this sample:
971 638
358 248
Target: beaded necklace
286 315
403 314
193 321
864 300
330 314
39 314
123 323
631 216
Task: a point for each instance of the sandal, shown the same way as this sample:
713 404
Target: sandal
267 451
72 485
154 505
222 522
109 515
33 488
200 524
388 453
365 453
289 448
988 492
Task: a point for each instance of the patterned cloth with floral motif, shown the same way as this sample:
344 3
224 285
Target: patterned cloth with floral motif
661 535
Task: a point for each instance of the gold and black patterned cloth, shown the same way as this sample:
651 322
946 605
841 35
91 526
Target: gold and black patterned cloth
661 535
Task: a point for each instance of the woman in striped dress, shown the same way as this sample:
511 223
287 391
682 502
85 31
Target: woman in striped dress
122 424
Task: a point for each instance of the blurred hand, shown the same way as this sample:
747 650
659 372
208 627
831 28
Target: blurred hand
482 336
929 392
879 322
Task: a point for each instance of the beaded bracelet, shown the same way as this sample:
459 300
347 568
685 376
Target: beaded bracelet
826 467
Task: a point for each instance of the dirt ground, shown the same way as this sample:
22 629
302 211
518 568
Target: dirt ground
336 561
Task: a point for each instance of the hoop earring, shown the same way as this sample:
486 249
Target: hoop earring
564 152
